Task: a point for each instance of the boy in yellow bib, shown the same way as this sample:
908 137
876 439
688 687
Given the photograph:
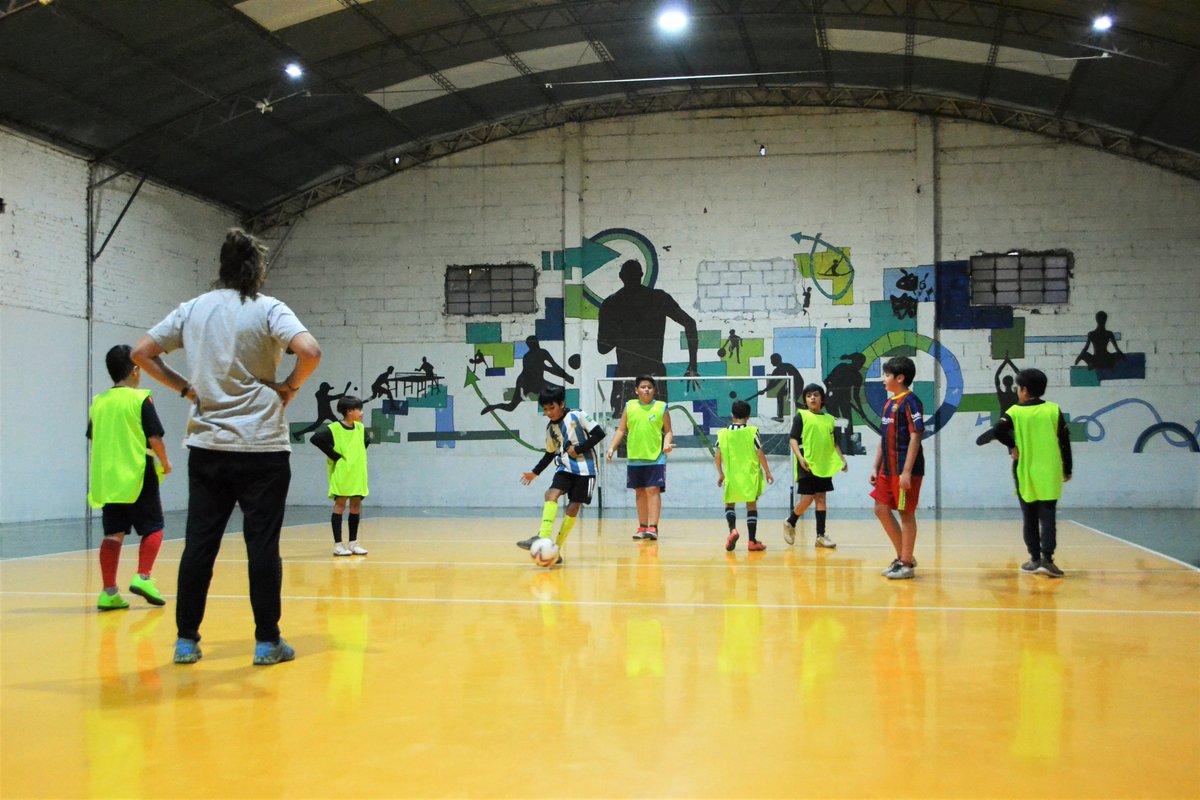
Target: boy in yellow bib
345 444
648 425
817 458
740 452
124 429
1035 433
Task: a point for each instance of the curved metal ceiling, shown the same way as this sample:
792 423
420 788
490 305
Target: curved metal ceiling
191 93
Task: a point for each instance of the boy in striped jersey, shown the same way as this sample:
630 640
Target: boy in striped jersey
899 465
571 439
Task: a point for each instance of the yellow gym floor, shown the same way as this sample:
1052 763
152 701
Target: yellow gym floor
445 664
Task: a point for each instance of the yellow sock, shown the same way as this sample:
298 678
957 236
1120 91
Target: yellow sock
549 512
565 530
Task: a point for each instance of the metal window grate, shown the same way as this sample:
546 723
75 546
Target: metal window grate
491 289
1004 279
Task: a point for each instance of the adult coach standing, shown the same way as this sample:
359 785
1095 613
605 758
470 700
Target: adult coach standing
237 433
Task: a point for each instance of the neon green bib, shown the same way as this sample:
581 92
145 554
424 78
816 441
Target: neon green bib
644 430
348 475
744 480
1039 462
819 452
118 464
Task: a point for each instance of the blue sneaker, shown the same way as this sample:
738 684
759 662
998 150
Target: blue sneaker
187 651
268 653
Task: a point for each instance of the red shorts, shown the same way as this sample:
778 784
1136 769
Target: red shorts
887 491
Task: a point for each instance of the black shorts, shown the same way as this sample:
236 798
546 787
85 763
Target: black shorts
808 483
144 515
577 488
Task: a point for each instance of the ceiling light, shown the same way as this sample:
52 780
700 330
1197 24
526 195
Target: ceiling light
1102 23
294 70
672 20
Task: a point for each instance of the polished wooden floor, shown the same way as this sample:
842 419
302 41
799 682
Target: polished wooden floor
446 664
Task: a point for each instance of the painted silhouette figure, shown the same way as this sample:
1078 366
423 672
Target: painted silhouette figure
476 360
427 368
1098 341
633 321
1006 395
842 386
532 379
325 411
731 347
807 299
382 387
778 389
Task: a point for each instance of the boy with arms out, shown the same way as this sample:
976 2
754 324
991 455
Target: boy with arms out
899 465
345 446
1035 433
817 459
122 424
740 449
650 439
571 438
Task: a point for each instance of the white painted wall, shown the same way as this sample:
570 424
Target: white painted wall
897 189
365 273
164 251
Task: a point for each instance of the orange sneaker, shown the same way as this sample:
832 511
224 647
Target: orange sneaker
731 542
756 545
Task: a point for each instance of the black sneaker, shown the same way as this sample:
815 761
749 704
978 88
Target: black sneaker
525 544
1047 567
1031 566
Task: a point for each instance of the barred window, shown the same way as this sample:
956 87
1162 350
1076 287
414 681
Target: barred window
1019 278
491 289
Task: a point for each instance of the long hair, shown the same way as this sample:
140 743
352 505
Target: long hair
242 264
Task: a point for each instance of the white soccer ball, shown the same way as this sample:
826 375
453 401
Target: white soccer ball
544 552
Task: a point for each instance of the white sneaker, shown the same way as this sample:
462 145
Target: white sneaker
357 549
340 549
824 542
789 532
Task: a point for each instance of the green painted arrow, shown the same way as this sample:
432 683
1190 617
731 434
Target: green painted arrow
595 256
473 382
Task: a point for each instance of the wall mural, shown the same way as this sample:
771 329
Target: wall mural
631 328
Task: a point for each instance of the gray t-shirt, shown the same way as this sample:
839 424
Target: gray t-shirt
232 348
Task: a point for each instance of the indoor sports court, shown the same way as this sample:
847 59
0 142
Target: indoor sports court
436 293
445 664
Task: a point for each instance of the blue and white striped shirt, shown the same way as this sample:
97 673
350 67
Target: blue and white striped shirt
571 429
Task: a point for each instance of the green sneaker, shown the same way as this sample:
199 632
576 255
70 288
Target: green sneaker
146 588
111 602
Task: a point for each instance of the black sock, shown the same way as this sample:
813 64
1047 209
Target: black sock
731 518
335 521
354 527
820 523
751 523
793 518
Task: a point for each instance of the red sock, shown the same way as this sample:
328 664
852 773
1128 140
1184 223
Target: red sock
110 556
148 552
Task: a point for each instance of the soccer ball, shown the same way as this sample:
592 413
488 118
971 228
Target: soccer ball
544 552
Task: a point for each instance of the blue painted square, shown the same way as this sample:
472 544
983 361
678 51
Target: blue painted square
953 301
758 370
1132 366
572 398
796 346
494 372
552 326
